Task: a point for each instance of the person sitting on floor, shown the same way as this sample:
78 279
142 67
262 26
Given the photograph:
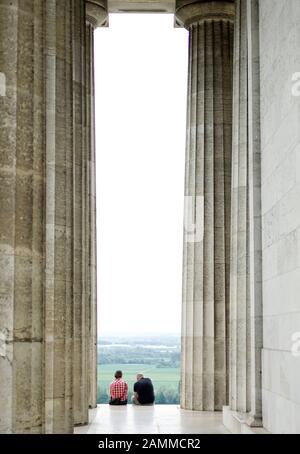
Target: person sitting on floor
118 390
143 391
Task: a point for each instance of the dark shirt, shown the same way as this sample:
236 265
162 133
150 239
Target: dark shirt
145 391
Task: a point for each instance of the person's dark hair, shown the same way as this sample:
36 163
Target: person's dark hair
118 374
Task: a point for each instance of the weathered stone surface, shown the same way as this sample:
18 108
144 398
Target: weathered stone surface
158 6
208 185
188 12
91 223
47 231
80 389
59 273
96 12
22 179
245 267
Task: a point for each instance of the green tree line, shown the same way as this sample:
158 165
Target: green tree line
163 396
139 356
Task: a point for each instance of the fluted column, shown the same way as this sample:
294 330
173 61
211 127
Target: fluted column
96 16
47 226
90 14
245 268
204 384
22 179
239 267
80 365
90 239
255 220
58 237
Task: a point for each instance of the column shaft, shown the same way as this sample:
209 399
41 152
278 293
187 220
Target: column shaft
255 223
239 269
96 16
91 216
58 314
245 271
208 183
80 365
21 217
47 228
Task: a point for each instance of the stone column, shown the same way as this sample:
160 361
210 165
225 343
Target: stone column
91 14
255 221
91 221
245 269
96 16
80 321
239 267
22 176
59 230
47 273
207 189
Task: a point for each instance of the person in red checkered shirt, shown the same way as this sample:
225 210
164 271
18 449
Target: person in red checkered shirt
118 390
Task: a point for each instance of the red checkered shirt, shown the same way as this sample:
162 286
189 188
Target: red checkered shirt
119 389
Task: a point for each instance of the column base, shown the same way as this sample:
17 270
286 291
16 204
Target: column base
242 423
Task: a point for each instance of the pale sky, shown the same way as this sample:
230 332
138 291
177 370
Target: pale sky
141 83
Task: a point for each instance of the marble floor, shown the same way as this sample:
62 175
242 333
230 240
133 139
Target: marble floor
157 419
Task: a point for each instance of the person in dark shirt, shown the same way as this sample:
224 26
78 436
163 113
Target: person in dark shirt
143 391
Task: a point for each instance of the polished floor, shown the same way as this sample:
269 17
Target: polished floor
157 419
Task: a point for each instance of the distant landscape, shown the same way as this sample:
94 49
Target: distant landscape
157 357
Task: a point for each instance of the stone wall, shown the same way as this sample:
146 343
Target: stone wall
280 134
